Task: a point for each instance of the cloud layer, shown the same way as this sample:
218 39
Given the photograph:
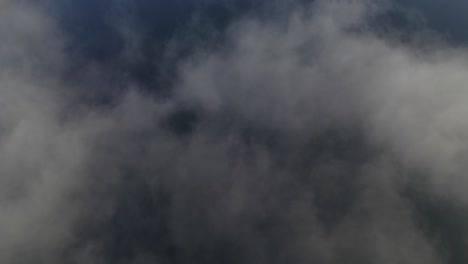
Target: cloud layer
316 136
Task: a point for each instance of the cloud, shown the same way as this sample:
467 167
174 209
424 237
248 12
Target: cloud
39 157
318 73
314 136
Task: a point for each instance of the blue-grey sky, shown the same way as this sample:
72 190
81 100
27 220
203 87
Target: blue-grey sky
94 35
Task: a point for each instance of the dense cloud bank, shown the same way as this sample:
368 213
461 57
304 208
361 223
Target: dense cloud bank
316 136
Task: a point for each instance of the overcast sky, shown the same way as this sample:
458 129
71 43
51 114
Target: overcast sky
238 131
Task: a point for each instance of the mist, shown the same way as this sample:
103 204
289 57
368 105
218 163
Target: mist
289 132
